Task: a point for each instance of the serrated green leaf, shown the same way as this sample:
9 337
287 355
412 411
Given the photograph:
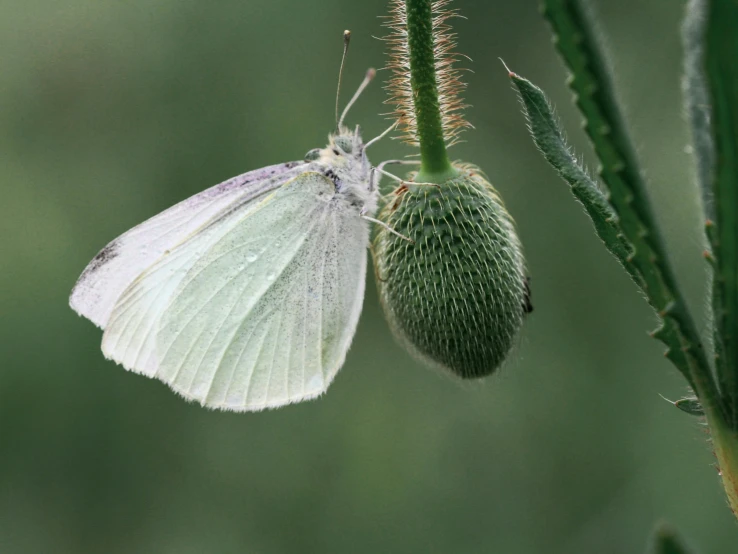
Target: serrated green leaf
550 140
577 42
692 406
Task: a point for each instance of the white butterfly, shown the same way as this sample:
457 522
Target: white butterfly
247 295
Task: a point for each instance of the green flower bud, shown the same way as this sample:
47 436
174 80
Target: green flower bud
456 293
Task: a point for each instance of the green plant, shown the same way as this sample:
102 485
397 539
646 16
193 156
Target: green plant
623 215
451 270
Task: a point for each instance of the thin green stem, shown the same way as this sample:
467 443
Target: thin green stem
433 156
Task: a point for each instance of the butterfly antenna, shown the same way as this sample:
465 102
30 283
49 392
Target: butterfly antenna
346 41
370 74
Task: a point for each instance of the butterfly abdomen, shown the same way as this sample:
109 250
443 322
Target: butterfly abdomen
457 295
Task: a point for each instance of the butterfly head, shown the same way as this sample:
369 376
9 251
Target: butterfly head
345 153
344 160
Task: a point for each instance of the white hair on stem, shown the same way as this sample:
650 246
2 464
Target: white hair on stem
448 76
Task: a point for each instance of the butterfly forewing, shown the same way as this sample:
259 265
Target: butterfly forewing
117 265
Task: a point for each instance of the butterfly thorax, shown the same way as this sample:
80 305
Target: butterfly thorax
344 161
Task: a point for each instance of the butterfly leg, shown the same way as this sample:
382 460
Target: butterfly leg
380 167
383 224
403 183
380 170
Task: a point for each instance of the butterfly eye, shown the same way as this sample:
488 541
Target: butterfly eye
312 155
344 144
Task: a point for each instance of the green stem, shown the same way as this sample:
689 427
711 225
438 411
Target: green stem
721 49
433 156
725 443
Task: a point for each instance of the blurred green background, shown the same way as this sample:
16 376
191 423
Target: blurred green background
112 111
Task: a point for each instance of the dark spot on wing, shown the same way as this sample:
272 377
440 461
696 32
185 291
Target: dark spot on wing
103 257
252 176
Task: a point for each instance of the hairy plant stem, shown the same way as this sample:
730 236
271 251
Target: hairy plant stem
435 165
